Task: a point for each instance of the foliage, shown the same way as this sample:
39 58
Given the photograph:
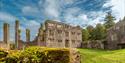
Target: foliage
38 55
109 20
90 30
85 35
12 46
99 32
3 54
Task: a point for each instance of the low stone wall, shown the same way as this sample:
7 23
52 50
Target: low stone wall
97 44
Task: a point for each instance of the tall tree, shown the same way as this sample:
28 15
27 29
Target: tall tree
99 32
90 28
85 34
90 31
109 20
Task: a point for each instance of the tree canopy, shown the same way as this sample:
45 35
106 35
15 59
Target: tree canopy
109 20
85 34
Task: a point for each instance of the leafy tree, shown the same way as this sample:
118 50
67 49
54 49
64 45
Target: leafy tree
99 32
85 34
109 20
90 31
90 28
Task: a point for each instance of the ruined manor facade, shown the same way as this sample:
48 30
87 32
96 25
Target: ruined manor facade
50 34
57 34
116 36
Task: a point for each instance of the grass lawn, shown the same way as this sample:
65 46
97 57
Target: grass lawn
102 56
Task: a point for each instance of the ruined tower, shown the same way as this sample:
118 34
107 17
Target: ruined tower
27 35
6 33
16 33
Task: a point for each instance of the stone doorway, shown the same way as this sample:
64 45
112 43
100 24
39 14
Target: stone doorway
66 43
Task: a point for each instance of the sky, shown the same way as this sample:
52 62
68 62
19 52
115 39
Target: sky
31 13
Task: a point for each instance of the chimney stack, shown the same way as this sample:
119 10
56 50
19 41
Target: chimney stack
6 32
16 33
27 35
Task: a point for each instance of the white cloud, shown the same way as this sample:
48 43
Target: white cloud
33 23
97 17
52 8
6 17
28 22
83 17
118 8
30 11
96 21
76 20
72 11
75 16
67 1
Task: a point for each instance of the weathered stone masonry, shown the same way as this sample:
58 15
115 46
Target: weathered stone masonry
50 34
116 36
6 32
17 36
5 42
57 34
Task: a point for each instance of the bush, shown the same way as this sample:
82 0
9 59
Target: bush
39 55
3 55
57 56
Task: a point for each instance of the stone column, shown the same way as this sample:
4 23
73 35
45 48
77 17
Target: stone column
27 35
6 33
16 33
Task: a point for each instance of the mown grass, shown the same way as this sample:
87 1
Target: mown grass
102 56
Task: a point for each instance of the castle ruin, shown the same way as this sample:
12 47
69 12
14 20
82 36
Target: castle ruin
57 34
50 34
116 36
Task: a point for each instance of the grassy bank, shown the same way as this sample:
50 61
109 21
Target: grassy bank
102 56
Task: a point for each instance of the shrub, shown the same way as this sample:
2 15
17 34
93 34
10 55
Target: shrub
39 55
57 55
3 55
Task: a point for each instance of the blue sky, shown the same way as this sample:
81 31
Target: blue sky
31 13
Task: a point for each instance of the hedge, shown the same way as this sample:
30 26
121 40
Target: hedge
38 55
3 55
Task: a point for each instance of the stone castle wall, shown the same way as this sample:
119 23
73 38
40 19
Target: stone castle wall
96 44
50 34
62 35
116 36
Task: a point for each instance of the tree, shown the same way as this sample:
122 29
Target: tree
85 34
99 32
90 31
90 28
109 20
28 35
